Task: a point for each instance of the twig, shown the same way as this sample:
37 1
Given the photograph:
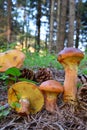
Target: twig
9 124
61 128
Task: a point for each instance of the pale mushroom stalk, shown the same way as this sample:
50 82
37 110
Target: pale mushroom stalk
51 101
24 106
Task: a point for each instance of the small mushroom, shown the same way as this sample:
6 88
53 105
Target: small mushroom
70 59
51 89
25 98
11 58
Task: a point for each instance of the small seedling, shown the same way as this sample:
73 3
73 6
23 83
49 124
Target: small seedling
12 75
4 112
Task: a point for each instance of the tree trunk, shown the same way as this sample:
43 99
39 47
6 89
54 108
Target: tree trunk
51 24
62 7
25 25
58 21
9 21
2 18
78 23
71 23
38 23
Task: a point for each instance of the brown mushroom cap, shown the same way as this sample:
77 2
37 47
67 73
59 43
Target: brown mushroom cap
51 86
25 90
11 58
70 52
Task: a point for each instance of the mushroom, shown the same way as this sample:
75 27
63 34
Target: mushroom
70 59
25 98
11 58
51 89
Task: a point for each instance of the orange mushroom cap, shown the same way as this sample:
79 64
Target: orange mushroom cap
11 58
51 86
70 52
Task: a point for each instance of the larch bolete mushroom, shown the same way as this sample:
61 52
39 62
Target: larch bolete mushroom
25 98
70 59
51 89
11 58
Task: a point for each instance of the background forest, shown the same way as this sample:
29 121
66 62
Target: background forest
43 24
41 29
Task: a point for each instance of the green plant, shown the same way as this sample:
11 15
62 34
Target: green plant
42 59
83 66
3 76
16 104
13 75
4 112
79 85
3 79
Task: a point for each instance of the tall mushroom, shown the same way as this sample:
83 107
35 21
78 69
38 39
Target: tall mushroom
25 98
51 89
11 58
70 59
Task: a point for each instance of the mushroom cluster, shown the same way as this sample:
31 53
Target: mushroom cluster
27 98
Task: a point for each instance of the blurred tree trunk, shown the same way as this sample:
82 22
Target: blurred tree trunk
71 23
38 23
25 25
78 23
58 19
2 18
9 25
51 25
62 8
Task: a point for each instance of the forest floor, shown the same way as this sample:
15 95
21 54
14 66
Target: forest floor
63 119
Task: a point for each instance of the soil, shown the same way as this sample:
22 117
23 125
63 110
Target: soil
66 117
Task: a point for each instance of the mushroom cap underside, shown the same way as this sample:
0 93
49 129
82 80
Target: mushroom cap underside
51 86
26 90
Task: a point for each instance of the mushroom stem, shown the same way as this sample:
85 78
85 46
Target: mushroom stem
51 102
70 82
25 106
